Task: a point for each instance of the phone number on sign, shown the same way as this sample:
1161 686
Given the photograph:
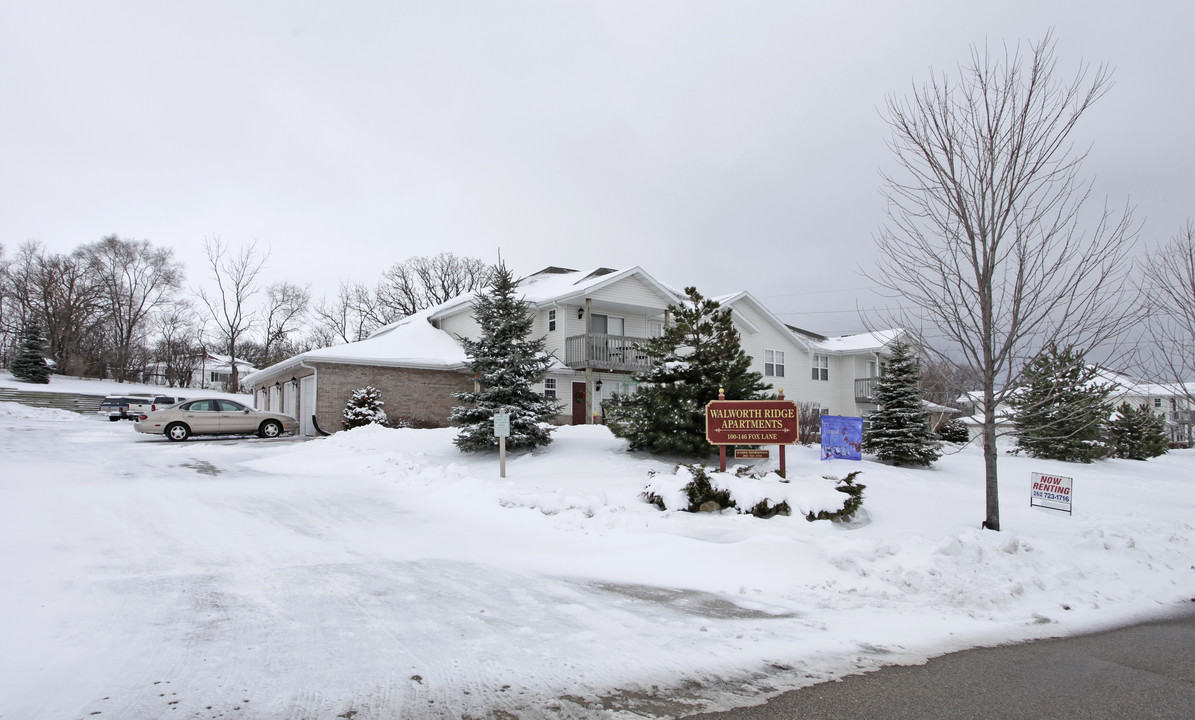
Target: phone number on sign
1055 497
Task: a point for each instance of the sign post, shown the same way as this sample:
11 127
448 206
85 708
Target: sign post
502 431
750 422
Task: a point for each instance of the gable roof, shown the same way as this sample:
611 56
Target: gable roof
845 344
557 285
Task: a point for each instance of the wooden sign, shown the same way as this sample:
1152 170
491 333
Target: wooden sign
751 422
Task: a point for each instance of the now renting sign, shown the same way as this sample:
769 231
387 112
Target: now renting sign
1050 491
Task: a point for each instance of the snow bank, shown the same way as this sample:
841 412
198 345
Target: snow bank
384 574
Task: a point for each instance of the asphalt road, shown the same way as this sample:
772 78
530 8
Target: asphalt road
1141 671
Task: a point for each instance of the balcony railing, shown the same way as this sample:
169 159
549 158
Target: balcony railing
605 352
865 389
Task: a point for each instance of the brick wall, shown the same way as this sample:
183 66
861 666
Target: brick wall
424 395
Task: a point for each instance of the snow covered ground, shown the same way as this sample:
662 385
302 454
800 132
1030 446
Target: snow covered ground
382 574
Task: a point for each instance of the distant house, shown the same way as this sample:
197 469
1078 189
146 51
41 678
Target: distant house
591 323
208 370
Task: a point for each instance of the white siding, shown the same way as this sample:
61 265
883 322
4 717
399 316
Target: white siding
630 291
461 324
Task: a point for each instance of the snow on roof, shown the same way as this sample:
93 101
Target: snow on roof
858 343
411 342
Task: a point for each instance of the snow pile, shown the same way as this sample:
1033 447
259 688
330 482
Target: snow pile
381 573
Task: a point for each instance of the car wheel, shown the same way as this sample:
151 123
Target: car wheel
270 429
178 432
113 418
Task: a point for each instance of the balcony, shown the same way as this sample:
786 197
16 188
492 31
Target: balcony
865 389
614 353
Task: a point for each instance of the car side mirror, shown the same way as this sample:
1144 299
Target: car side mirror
246 411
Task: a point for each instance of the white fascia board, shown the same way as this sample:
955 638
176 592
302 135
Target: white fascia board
745 296
606 280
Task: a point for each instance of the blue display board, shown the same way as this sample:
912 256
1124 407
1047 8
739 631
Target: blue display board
842 438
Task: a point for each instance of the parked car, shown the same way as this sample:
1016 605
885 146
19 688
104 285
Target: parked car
214 416
132 407
117 407
147 404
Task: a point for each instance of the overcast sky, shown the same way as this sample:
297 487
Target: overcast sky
730 145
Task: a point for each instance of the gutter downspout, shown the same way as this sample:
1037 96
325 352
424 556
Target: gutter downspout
315 395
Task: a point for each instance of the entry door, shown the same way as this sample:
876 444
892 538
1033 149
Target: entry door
578 403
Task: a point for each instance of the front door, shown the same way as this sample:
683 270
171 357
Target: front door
578 403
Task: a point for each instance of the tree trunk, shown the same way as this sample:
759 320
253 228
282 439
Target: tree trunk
989 461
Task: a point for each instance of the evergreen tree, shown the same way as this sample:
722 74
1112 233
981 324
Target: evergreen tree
898 430
698 353
365 408
30 363
1137 433
1060 411
509 364
954 431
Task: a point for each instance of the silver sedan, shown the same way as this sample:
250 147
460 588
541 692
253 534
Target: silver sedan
214 416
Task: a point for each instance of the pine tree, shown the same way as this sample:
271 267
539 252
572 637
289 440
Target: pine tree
698 354
508 364
1137 433
1060 411
898 430
30 363
365 408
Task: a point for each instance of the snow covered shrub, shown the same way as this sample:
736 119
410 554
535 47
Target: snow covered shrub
764 494
954 431
364 408
854 501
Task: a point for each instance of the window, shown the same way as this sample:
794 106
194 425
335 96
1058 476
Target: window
606 325
821 367
550 387
551 321
773 363
1157 402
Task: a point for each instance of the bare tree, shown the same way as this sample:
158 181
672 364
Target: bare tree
1168 291
405 288
943 382
59 291
422 282
286 307
347 318
984 236
236 284
8 336
177 350
134 279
